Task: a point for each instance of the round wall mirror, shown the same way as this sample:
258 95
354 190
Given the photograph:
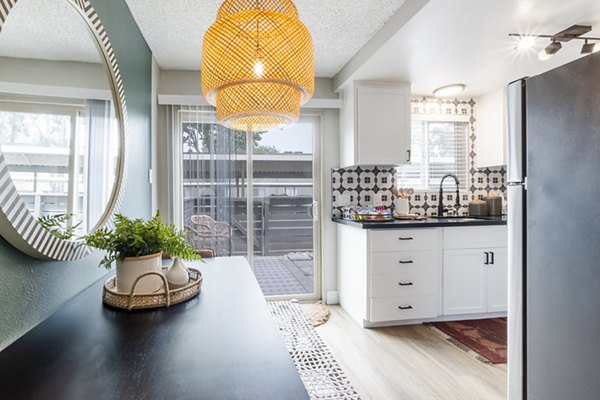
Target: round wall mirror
62 127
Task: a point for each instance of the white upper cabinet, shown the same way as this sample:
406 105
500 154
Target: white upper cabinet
375 124
490 144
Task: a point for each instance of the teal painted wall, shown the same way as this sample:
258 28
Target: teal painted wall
31 290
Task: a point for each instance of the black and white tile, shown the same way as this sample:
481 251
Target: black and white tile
358 186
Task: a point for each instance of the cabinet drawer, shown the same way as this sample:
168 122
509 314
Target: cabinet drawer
399 261
404 240
405 307
416 281
475 237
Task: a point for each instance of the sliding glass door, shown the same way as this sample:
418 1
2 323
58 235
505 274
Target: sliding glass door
285 257
254 196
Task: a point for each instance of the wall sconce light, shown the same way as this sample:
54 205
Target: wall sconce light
556 40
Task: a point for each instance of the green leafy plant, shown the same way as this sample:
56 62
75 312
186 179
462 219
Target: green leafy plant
57 225
136 237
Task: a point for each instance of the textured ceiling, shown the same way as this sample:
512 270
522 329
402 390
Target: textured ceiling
47 30
340 28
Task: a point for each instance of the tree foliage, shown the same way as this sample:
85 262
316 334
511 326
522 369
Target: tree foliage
197 139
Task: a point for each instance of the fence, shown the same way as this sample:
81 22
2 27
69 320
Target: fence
282 224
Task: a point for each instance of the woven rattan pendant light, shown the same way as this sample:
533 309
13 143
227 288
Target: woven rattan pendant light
257 64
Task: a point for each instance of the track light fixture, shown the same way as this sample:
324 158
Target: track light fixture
588 48
550 50
556 40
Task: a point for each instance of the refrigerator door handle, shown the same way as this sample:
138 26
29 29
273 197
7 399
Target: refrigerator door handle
516 334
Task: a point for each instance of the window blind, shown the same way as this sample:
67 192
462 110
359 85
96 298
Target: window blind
439 146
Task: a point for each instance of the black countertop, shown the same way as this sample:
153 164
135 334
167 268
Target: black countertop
223 344
425 223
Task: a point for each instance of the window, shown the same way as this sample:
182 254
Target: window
439 147
58 155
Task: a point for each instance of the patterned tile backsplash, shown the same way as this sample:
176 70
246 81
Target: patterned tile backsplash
362 187
373 185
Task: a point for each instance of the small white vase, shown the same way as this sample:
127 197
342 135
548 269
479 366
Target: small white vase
178 273
130 268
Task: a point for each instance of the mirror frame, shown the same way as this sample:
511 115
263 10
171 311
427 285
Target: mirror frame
17 224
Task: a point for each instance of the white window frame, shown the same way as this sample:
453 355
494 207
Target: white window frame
73 111
464 184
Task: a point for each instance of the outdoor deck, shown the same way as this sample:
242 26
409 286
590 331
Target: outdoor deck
289 274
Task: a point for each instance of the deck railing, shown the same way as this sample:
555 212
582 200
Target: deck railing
282 224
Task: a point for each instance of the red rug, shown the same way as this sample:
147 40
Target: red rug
485 337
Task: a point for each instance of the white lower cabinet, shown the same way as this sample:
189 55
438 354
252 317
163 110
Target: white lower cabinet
475 270
395 276
403 307
474 283
497 281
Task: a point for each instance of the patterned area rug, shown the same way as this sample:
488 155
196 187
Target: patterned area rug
483 338
320 372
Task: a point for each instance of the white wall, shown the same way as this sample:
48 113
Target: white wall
68 79
330 144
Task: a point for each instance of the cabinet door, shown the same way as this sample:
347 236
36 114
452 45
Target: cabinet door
490 145
497 281
464 282
383 124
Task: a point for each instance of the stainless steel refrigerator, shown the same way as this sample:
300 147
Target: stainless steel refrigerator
554 233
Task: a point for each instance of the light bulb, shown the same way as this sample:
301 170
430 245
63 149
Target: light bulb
259 68
525 43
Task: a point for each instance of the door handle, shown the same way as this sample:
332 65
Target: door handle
315 211
405 238
492 253
487 258
405 283
405 307
407 155
406 262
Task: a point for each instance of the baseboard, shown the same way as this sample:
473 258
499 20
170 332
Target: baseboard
332 297
442 318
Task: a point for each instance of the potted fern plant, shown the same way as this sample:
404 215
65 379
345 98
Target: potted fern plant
137 246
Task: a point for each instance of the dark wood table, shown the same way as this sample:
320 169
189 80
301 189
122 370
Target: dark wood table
223 344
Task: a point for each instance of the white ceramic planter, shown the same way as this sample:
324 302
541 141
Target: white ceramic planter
130 268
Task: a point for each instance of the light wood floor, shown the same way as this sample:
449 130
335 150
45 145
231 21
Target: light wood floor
408 362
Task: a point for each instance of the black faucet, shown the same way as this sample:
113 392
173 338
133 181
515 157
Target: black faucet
441 195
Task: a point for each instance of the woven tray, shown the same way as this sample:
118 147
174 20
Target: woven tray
164 298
